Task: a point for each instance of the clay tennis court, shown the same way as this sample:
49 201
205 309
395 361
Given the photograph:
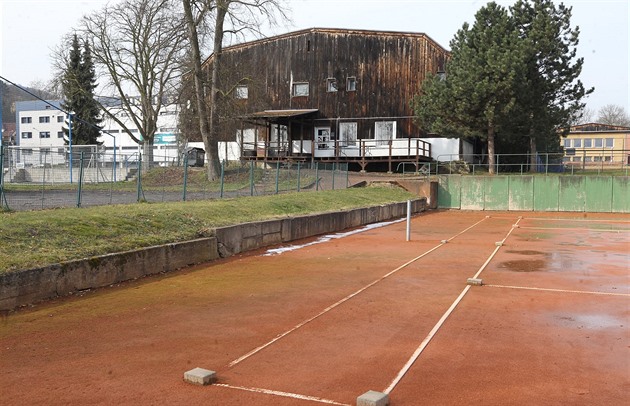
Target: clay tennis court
325 323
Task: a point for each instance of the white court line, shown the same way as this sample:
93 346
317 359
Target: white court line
345 299
560 290
283 394
440 322
329 237
583 220
595 230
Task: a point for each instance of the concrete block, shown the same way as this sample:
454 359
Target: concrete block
373 398
499 243
200 376
444 241
474 281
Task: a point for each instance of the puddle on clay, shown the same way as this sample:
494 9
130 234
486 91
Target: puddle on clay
525 265
526 252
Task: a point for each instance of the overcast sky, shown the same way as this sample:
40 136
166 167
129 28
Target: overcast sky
31 28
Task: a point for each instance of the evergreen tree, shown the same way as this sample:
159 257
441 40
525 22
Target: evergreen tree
478 96
550 95
78 84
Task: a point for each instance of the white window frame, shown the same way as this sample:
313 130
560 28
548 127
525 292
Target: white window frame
348 134
300 89
351 84
241 92
322 138
384 131
331 85
577 143
44 119
612 142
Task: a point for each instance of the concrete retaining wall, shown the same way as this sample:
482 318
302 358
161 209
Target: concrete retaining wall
243 237
30 286
33 285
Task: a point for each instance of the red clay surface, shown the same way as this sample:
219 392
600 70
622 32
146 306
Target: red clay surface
567 341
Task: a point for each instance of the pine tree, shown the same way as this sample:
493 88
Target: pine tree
550 95
478 96
78 84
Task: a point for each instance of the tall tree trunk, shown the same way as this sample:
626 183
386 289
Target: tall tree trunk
202 110
491 157
533 157
212 146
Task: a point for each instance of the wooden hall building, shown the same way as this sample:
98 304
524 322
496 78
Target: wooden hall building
336 95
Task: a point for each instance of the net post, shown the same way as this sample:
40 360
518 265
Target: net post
408 220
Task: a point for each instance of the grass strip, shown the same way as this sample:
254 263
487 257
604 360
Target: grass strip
39 238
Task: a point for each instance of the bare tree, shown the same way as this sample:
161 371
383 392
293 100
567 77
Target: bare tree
586 115
138 48
613 114
232 17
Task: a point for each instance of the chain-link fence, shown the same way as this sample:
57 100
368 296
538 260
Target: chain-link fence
610 162
43 178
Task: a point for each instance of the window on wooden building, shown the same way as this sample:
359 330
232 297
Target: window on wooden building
348 134
351 84
241 92
300 89
331 85
384 131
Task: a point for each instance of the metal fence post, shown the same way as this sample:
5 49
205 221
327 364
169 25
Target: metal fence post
277 175
79 189
298 177
139 178
185 176
3 198
251 178
347 176
222 177
316 176
547 163
333 174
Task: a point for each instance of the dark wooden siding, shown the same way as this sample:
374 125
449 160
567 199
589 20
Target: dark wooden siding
389 69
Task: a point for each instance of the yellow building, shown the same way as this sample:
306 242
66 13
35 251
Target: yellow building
597 145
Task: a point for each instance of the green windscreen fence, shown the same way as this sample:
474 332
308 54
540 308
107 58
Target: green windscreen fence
605 194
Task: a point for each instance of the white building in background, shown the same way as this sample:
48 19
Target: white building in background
39 134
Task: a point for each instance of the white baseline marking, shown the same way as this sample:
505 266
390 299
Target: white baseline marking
583 220
345 299
283 394
328 237
440 322
595 230
560 290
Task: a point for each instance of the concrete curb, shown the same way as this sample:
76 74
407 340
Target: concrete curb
30 286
